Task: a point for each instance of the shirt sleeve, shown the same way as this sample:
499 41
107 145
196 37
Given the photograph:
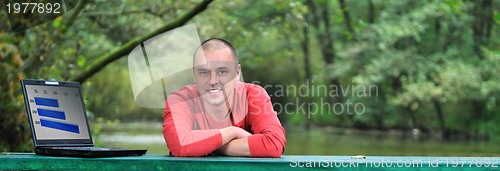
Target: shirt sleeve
268 139
178 131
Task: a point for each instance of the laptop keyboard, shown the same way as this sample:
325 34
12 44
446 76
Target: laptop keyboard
83 148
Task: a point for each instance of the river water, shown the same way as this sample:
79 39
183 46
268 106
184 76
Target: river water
317 142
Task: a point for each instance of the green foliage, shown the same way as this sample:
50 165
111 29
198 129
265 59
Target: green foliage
63 48
14 130
422 56
97 127
409 55
109 95
419 53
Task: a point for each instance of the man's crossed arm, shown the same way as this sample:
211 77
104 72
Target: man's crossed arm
234 142
268 138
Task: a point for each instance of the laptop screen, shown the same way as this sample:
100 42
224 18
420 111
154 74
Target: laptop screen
56 112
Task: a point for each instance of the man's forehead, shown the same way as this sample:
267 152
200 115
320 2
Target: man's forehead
217 56
215 65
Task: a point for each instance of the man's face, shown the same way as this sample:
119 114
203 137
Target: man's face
215 73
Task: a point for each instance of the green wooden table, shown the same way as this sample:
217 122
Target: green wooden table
28 161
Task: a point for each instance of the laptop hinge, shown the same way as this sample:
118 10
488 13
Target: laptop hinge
66 145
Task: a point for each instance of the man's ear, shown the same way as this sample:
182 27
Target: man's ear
194 75
238 72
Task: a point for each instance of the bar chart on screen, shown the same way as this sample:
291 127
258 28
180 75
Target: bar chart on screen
51 117
55 110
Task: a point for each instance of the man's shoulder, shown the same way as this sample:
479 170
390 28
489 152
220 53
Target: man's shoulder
252 89
247 86
184 93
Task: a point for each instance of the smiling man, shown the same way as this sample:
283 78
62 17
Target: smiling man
219 114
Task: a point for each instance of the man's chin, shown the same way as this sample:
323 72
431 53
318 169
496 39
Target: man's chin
213 101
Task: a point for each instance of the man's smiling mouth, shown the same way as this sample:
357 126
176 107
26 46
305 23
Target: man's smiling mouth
213 91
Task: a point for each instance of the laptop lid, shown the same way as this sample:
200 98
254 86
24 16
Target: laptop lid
56 113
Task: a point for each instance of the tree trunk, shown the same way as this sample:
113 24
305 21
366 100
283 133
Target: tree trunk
481 25
379 114
325 37
319 18
477 109
371 12
413 119
308 75
481 29
437 27
445 133
347 19
488 7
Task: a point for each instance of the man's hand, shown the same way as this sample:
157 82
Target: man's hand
234 142
232 132
240 133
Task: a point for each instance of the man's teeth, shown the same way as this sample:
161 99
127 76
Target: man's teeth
214 91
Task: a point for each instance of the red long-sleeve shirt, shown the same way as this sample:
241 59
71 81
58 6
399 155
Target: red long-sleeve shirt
189 131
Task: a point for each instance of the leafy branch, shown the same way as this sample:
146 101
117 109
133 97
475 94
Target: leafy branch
123 50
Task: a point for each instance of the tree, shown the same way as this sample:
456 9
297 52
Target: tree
55 52
107 58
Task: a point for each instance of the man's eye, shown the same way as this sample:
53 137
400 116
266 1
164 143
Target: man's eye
222 72
203 73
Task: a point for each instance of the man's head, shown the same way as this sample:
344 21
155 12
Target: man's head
216 70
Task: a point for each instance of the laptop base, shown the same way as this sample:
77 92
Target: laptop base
48 151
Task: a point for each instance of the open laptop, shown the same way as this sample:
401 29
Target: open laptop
58 121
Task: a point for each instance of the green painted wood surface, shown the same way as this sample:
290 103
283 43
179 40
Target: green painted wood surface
28 161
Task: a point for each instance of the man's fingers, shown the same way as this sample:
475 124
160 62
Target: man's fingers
243 133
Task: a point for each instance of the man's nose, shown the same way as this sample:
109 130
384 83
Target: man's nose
213 78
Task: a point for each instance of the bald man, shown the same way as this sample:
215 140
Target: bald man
219 114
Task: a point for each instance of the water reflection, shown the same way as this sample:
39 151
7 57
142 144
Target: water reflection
121 137
374 143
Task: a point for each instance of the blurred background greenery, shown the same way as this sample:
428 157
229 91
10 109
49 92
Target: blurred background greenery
435 63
